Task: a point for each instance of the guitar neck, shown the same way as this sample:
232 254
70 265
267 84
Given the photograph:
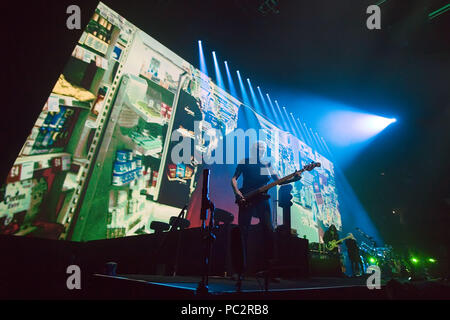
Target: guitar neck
279 181
339 241
265 188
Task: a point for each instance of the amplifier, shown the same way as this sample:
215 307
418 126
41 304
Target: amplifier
324 264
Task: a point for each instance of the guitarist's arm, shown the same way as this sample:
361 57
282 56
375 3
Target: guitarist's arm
234 183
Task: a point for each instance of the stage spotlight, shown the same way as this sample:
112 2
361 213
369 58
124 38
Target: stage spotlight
372 124
272 108
266 109
431 260
203 68
282 117
230 81
414 260
253 95
242 87
217 69
349 127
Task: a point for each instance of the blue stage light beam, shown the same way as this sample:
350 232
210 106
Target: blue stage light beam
274 112
297 129
321 145
316 142
230 81
254 99
305 128
326 146
282 117
305 132
300 128
345 128
291 126
218 73
266 109
312 143
203 67
242 87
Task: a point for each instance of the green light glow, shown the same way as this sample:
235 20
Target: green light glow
372 260
414 260
438 12
431 260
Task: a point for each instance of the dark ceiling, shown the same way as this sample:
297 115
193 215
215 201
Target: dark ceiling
320 47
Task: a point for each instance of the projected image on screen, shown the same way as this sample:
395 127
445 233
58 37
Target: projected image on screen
315 203
97 163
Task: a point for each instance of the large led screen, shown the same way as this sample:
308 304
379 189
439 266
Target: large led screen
124 137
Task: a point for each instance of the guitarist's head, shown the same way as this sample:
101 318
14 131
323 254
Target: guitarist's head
333 229
258 150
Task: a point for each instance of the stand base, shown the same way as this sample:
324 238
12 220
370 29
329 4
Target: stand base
202 289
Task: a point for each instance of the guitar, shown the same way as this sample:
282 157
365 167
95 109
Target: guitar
334 243
261 193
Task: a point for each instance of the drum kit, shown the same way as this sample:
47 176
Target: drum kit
372 254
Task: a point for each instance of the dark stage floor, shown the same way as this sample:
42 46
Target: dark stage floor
252 288
174 288
252 284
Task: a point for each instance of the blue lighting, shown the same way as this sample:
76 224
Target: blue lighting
303 134
284 120
297 129
349 127
253 95
316 142
265 107
243 92
203 68
275 113
230 81
308 135
218 73
290 127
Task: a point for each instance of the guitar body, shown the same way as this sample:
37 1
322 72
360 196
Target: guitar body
334 243
251 198
331 245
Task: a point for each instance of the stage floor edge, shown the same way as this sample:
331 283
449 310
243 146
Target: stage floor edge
178 287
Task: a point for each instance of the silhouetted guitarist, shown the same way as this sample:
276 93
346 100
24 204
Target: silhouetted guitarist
256 174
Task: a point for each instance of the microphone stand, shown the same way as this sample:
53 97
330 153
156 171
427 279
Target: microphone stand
175 227
208 236
166 235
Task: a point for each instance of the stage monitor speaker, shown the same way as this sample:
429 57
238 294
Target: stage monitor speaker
324 265
291 256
